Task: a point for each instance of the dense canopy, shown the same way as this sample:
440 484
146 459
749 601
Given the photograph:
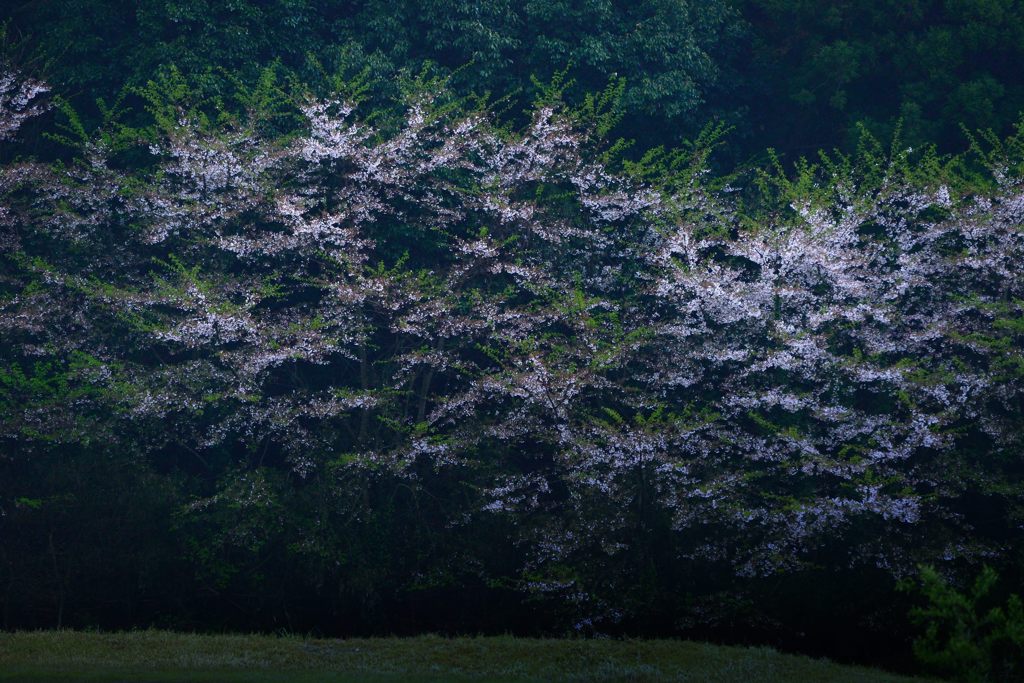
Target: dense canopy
794 76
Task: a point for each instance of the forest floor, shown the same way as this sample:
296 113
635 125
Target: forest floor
143 656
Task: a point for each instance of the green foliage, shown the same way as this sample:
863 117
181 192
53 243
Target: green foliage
966 634
660 55
825 68
74 133
795 76
50 386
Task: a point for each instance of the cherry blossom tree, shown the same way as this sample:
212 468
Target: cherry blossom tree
630 378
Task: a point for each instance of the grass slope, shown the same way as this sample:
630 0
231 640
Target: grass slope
164 656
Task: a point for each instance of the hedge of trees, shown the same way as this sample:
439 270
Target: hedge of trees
294 363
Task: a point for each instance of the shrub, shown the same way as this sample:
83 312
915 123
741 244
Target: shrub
967 636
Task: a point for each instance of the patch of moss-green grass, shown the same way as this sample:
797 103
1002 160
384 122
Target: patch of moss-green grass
167 657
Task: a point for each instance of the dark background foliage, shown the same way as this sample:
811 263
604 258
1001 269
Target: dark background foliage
794 76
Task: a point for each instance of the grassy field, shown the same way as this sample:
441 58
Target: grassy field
164 656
